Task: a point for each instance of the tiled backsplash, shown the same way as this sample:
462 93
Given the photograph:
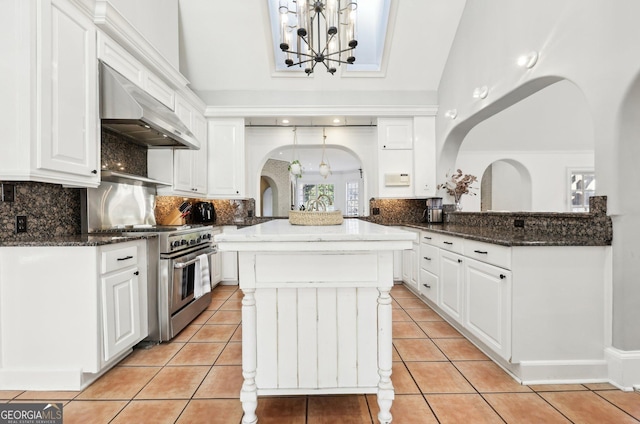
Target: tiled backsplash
51 211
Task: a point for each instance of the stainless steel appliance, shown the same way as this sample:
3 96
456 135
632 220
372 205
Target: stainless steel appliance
172 256
433 213
180 249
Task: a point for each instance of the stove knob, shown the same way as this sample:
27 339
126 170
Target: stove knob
175 244
183 242
192 241
199 239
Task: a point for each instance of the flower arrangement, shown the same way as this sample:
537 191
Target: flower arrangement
458 184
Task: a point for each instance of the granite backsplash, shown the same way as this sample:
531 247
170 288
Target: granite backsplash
51 211
228 212
118 153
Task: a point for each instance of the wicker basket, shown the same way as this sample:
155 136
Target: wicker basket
315 218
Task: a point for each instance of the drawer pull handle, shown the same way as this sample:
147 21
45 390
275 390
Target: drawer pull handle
136 273
447 242
502 276
427 258
125 258
482 252
427 238
427 286
459 261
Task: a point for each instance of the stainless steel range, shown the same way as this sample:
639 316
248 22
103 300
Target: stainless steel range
176 273
180 274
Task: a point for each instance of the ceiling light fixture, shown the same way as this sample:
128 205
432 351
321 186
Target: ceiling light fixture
480 92
528 60
312 40
285 121
451 114
336 121
324 168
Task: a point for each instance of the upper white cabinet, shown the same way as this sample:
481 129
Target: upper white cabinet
50 94
226 158
406 157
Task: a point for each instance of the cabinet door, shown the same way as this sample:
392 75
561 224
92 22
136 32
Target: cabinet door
450 292
120 311
68 92
406 266
229 266
415 266
429 285
488 305
226 158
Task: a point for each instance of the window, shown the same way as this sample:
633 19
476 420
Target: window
353 191
313 191
583 186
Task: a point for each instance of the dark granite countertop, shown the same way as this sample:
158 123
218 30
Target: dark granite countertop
74 240
515 237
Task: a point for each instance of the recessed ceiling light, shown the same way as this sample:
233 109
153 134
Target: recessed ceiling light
285 121
336 121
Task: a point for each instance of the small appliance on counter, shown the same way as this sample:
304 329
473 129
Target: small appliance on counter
433 213
203 213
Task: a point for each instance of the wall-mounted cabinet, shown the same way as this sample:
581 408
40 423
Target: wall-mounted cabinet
226 158
50 94
406 157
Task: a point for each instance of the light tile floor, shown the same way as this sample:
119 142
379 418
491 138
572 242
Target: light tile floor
439 377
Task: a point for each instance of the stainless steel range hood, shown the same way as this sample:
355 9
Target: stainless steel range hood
127 109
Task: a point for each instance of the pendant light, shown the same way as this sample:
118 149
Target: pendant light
324 168
295 167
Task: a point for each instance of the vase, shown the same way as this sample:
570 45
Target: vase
458 206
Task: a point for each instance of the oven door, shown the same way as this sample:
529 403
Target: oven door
184 271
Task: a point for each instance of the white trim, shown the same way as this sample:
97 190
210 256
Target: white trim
624 368
563 372
329 110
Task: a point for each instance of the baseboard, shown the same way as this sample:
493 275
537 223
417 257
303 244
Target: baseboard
624 368
562 372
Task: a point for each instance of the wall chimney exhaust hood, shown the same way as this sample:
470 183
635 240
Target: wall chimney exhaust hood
127 109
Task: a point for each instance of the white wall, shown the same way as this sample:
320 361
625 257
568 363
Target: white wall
361 141
157 21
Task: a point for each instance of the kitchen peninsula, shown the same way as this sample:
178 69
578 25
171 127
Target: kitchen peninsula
316 312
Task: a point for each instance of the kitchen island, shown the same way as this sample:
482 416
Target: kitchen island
316 312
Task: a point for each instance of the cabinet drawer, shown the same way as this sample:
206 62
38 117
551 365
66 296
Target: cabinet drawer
120 258
429 285
453 244
430 238
494 254
429 258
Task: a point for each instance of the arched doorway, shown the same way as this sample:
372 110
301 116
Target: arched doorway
505 186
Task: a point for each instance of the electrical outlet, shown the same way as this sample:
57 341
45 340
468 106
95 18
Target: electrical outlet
518 223
21 224
375 211
8 192
250 213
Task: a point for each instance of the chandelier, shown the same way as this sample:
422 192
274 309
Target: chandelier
318 31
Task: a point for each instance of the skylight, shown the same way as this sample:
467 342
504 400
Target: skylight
373 17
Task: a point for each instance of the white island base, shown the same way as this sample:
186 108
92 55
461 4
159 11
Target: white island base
316 312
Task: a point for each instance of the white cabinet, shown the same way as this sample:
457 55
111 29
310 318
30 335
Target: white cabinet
190 166
406 157
429 268
216 262
107 288
411 263
488 305
451 280
122 314
226 158
50 94
229 261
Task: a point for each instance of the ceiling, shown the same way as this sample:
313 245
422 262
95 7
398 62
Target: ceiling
227 54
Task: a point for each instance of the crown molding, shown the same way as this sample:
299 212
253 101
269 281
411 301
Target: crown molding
360 110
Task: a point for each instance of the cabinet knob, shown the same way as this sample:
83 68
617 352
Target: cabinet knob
427 258
459 261
94 172
427 286
136 273
502 276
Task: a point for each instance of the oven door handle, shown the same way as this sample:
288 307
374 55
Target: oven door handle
208 252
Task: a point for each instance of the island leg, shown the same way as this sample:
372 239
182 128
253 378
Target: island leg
249 391
385 358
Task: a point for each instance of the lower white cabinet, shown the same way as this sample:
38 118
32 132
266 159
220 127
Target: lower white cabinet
488 305
451 290
216 263
411 262
86 304
229 261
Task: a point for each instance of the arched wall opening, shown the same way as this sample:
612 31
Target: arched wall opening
505 186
